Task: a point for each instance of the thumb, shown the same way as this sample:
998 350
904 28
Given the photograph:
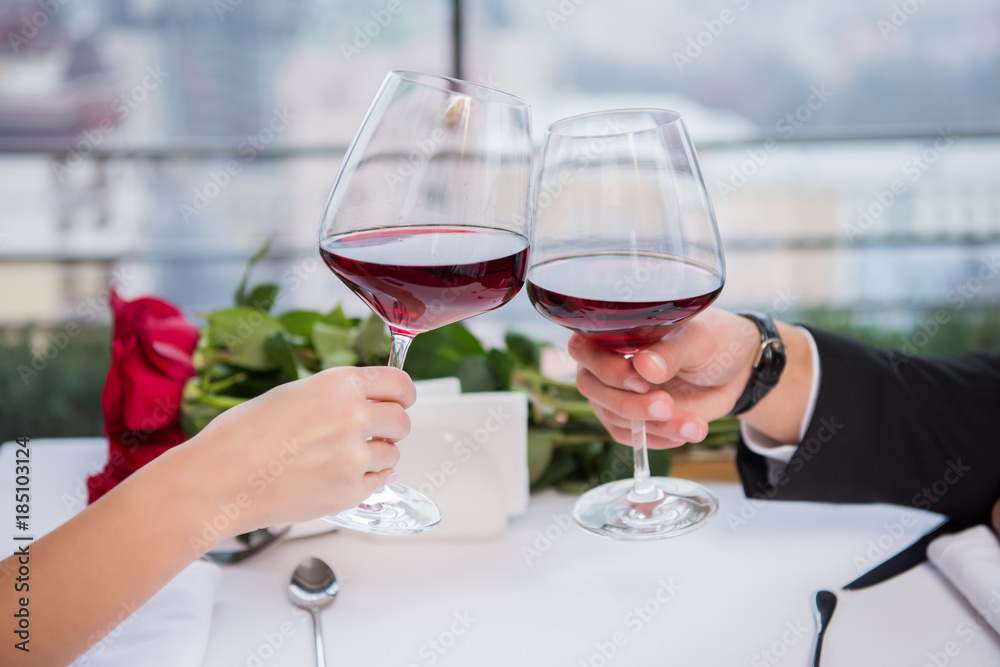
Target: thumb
687 346
373 481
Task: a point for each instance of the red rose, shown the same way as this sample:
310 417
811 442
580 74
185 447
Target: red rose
150 362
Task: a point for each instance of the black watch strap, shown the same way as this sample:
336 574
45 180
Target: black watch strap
768 365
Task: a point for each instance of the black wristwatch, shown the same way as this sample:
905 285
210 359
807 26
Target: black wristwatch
770 362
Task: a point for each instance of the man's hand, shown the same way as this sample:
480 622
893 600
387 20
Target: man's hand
690 377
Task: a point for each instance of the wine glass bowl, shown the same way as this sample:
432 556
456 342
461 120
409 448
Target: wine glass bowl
427 224
424 277
624 249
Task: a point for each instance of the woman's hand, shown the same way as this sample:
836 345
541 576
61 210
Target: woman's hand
693 375
302 450
305 449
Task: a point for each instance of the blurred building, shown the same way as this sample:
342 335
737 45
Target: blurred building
154 145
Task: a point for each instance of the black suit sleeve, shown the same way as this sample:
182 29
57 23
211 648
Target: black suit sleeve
923 432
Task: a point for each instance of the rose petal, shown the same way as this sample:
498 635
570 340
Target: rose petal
150 362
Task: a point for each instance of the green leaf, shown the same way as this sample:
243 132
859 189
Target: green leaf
240 297
525 350
244 332
475 375
561 466
614 463
540 448
338 358
280 352
192 390
196 414
502 365
659 462
573 486
436 353
329 340
300 322
591 456
373 342
337 318
262 297
225 383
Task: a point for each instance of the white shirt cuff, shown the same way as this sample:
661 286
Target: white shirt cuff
778 454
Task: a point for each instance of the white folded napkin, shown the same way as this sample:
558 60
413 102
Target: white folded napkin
915 619
469 454
971 562
170 630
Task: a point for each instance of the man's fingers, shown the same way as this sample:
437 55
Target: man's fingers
653 405
611 368
624 436
684 427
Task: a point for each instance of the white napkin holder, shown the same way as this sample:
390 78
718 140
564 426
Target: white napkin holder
466 452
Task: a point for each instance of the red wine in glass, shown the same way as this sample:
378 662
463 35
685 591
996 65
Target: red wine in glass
632 300
424 277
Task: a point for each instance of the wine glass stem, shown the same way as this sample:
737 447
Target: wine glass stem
397 352
643 490
400 344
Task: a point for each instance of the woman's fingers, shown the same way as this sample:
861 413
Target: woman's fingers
384 456
373 481
376 383
389 384
385 420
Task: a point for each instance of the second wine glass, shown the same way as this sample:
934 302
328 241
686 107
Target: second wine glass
624 249
427 224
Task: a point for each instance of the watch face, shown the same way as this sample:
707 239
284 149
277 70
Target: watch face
772 361
768 347
777 347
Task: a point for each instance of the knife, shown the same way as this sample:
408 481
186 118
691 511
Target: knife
910 557
905 560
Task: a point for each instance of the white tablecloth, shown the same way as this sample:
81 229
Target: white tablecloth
738 592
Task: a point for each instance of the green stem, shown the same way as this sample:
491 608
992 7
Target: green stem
225 383
224 402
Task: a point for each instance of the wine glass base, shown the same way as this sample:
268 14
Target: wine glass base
394 509
675 507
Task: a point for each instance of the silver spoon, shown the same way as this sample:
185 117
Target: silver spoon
826 602
313 587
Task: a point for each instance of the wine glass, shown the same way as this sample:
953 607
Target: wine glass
624 249
427 224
